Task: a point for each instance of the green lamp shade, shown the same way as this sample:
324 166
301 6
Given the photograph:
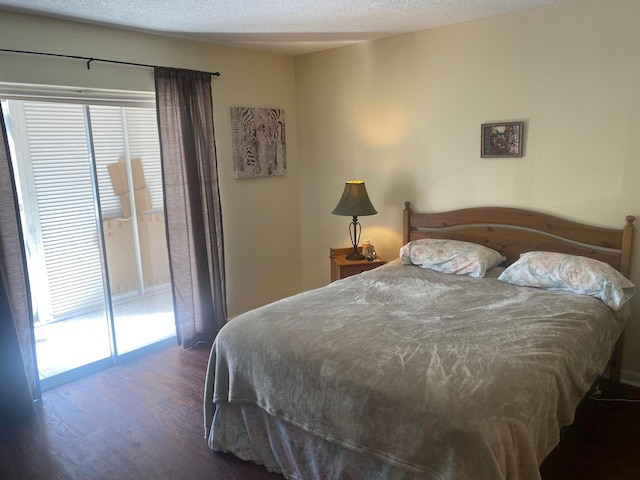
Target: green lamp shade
355 201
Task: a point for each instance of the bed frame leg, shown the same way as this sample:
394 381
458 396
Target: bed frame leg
616 364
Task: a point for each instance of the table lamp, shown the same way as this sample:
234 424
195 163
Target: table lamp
354 203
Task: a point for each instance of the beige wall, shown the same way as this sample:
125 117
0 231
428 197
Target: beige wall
261 216
404 115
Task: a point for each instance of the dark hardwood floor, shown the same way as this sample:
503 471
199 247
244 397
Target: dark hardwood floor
603 443
143 420
136 421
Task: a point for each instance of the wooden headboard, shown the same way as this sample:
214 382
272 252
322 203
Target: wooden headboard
512 231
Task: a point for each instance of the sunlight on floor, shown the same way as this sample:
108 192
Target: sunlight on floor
71 343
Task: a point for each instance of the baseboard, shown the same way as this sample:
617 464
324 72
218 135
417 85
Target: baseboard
630 378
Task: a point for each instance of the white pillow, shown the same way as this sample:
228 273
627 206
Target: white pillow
451 256
570 273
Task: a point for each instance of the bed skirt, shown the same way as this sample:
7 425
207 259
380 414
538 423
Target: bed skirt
249 433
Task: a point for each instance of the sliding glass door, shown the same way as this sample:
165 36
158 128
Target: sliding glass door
90 192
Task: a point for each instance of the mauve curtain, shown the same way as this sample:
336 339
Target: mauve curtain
192 202
18 381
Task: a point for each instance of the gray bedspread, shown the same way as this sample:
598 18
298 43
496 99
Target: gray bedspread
450 377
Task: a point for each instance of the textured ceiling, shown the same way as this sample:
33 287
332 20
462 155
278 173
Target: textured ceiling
285 26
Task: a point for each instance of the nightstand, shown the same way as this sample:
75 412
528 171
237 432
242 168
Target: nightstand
342 268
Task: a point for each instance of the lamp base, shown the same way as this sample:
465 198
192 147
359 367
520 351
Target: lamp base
355 255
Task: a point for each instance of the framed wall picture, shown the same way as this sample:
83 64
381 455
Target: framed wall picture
258 140
502 139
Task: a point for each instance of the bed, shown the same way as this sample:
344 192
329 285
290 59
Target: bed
407 373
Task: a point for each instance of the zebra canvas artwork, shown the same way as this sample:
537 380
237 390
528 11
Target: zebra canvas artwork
258 142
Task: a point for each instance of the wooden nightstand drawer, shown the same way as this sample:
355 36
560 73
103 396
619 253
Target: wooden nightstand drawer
348 270
342 268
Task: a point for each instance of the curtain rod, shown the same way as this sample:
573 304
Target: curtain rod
91 59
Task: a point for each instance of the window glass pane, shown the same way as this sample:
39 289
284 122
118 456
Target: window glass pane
68 247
